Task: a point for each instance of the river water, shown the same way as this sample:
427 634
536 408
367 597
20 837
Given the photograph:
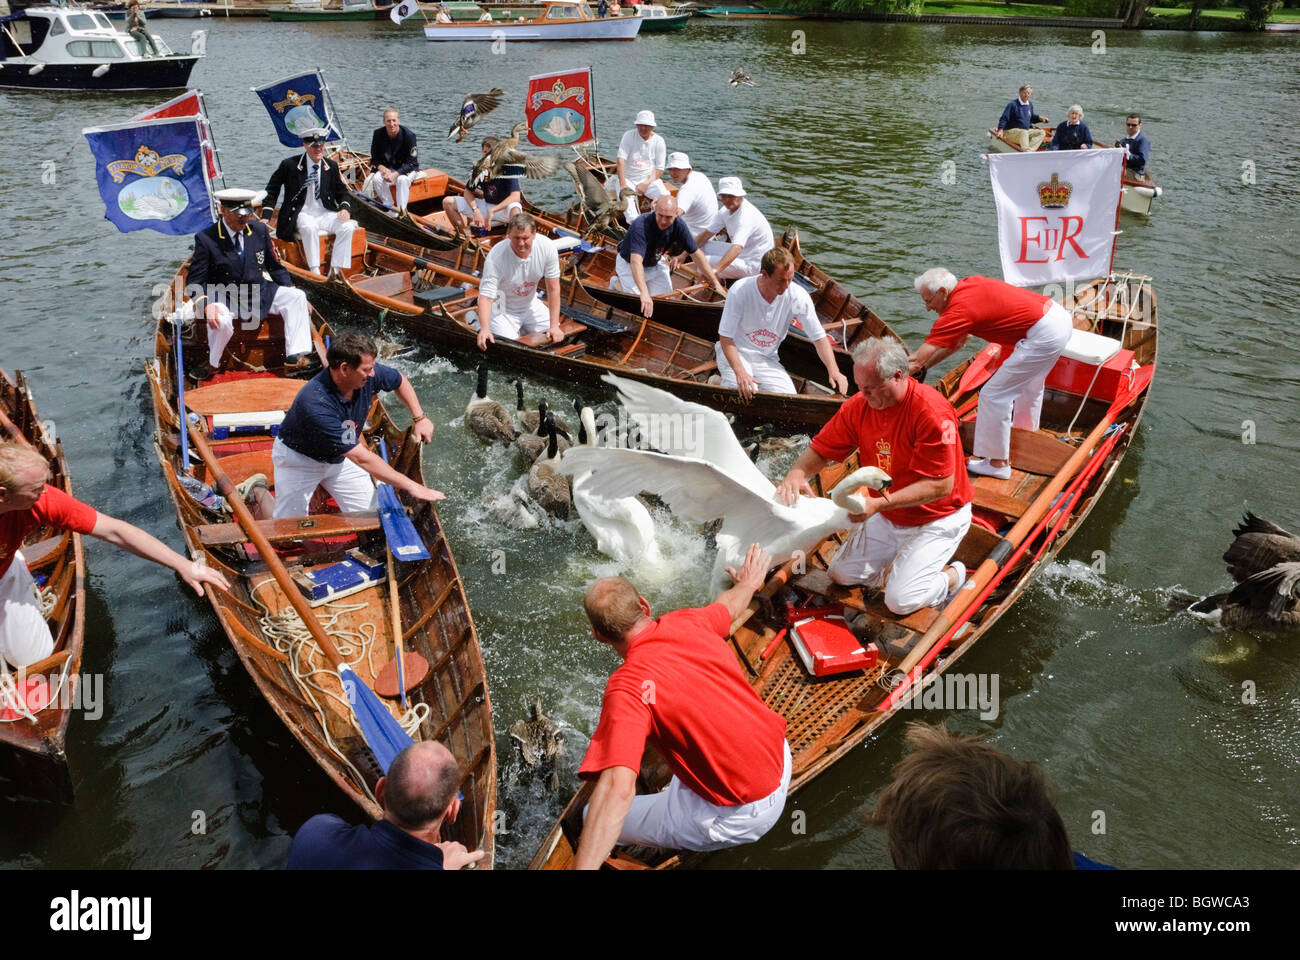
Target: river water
1138 715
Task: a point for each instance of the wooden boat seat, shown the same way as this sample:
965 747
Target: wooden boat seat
1031 451
386 284
240 466
991 499
291 528
431 184
358 251
244 396
44 551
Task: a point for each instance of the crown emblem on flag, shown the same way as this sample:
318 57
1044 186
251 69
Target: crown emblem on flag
292 99
1054 193
558 94
147 163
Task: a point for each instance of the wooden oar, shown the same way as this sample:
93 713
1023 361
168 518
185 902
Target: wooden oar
382 732
1030 521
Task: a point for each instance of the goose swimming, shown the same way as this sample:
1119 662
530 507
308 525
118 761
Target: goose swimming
1264 559
546 483
486 418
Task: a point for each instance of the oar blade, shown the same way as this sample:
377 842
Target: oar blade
382 732
403 539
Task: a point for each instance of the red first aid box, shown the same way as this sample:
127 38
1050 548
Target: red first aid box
1074 376
827 646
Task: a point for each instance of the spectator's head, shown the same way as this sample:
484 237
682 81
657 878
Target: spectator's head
614 607
958 804
1133 124
23 475
420 788
1074 114
392 121
1026 91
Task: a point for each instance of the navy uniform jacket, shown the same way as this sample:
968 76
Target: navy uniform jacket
1139 152
291 174
1019 116
1071 137
395 153
216 267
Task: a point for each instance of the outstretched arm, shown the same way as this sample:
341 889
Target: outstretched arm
610 802
134 540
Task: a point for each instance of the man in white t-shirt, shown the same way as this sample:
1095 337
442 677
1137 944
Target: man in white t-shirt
696 201
749 235
507 297
755 321
641 157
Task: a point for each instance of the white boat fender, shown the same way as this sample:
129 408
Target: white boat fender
100 70
36 69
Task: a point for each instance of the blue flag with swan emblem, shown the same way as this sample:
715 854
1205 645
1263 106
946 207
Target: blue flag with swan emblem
152 175
297 104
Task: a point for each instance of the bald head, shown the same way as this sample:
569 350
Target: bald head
421 783
665 209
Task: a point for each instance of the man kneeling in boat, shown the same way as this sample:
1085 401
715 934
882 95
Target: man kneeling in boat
681 688
653 238
908 430
418 795
1032 329
27 503
755 321
507 298
235 265
320 442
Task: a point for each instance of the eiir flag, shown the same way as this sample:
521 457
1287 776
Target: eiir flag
152 176
559 108
1057 213
297 104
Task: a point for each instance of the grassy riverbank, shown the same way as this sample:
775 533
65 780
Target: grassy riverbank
1164 16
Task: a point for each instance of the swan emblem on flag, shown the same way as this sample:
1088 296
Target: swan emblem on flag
558 94
147 163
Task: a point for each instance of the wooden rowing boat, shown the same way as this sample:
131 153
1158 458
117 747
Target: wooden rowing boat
409 286
450 705
1138 192
1059 474
32 746
695 307
423 222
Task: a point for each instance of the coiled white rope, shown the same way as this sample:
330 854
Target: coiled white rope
13 699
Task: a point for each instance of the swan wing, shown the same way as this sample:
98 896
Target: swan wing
681 428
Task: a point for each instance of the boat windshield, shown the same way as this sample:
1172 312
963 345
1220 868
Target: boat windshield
586 12
563 11
81 21
102 21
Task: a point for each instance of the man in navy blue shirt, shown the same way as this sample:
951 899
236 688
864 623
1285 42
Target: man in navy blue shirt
320 440
418 796
392 157
652 238
488 204
1019 116
1137 145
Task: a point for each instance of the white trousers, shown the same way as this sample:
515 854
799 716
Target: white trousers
297 476
918 554
501 216
769 373
657 278
24 634
1014 395
403 185
312 228
290 303
715 250
535 318
678 818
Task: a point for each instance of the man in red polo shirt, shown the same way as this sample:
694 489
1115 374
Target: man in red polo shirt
1032 329
28 502
681 688
909 431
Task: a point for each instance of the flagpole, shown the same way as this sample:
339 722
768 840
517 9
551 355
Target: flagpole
331 109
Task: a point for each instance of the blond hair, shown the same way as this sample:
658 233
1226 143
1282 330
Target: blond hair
18 460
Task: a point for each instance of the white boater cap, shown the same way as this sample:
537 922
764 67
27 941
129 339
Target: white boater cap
731 187
646 117
238 200
678 161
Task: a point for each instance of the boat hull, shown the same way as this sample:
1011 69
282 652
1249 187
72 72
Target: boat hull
673 23
162 73
619 28
290 14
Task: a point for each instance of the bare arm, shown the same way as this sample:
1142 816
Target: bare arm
727 257
796 478
702 264
827 356
638 276
610 802
484 308
512 197
745 381
376 467
620 168
748 580
134 540
927 355
553 305
423 425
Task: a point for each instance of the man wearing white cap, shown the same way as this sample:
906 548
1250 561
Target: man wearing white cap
696 200
315 203
759 313
749 235
234 273
641 156
507 298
